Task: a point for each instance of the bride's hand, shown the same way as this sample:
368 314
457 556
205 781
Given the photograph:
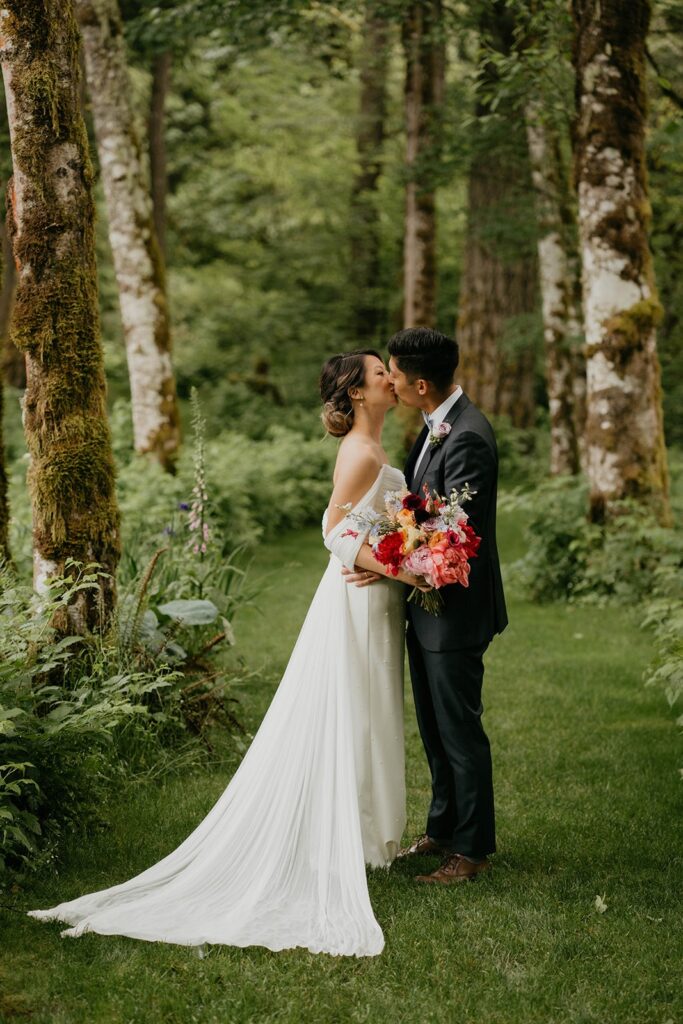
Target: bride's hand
360 577
419 582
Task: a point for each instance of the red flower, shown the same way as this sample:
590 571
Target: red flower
472 542
389 551
413 502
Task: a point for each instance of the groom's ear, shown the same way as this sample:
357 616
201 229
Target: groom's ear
422 386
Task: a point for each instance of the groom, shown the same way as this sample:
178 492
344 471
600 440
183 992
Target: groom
457 446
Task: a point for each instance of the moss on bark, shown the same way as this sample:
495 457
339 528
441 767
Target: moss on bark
56 316
624 428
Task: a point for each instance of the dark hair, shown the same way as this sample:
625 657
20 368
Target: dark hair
338 376
423 353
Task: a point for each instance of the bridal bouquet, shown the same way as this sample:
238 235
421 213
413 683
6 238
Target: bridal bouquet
428 536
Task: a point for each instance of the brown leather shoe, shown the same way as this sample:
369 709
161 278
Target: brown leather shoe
455 868
421 847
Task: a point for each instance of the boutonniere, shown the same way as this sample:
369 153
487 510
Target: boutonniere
439 434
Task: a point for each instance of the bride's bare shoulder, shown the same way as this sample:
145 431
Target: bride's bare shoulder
356 458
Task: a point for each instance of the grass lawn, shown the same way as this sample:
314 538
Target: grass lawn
589 804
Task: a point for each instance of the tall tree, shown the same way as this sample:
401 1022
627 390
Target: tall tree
137 261
560 290
626 455
12 360
4 505
498 288
56 316
368 305
425 52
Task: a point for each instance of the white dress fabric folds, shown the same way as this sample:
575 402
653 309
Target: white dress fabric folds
279 861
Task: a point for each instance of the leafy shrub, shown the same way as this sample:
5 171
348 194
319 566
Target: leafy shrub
62 705
664 615
569 558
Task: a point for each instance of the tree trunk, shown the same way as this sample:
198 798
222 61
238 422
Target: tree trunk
13 363
498 287
423 40
137 262
161 77
560 289
624 429
4 505
56 315
367 296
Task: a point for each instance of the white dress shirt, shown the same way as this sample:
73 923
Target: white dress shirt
433 419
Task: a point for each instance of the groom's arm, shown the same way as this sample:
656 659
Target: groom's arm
469 460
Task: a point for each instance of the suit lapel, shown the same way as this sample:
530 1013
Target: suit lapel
452 415
414 453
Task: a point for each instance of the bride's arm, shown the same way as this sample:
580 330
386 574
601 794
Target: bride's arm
354 474
366 560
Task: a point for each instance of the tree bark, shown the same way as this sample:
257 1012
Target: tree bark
560 291
161 76
367 298
56 316
498 285
626 455
137 261
423 41
13 363
4 504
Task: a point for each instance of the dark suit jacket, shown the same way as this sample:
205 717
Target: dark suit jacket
472 615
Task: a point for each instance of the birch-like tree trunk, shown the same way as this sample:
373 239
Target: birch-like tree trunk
56 314
367 297
560 291
137 261
499 282
423 41
626 455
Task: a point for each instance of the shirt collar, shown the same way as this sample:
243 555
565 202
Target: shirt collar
441 412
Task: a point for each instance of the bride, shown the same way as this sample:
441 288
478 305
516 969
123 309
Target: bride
280 859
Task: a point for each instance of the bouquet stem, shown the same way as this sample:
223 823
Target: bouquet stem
430 600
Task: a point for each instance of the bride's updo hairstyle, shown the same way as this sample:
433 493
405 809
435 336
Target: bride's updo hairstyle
339 375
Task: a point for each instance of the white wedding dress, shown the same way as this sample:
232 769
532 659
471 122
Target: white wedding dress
280 859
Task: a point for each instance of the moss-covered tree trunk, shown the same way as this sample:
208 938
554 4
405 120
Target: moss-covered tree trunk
626 456
137 261
56 316
498 287
367 296
4 503
13 364
425 52
560 291
161 77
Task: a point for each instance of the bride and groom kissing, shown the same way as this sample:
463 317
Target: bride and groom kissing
280 860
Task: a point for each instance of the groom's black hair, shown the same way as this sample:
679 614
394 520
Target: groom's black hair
423 353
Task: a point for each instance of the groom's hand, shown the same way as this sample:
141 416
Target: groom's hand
360 577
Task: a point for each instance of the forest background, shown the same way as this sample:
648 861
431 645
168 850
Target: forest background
300 179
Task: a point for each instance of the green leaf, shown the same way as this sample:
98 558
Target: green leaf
190 613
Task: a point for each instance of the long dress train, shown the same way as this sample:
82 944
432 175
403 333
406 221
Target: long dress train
279 861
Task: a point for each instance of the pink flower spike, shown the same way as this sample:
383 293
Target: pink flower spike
350 533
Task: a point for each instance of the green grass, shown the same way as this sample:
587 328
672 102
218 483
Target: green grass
588 801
